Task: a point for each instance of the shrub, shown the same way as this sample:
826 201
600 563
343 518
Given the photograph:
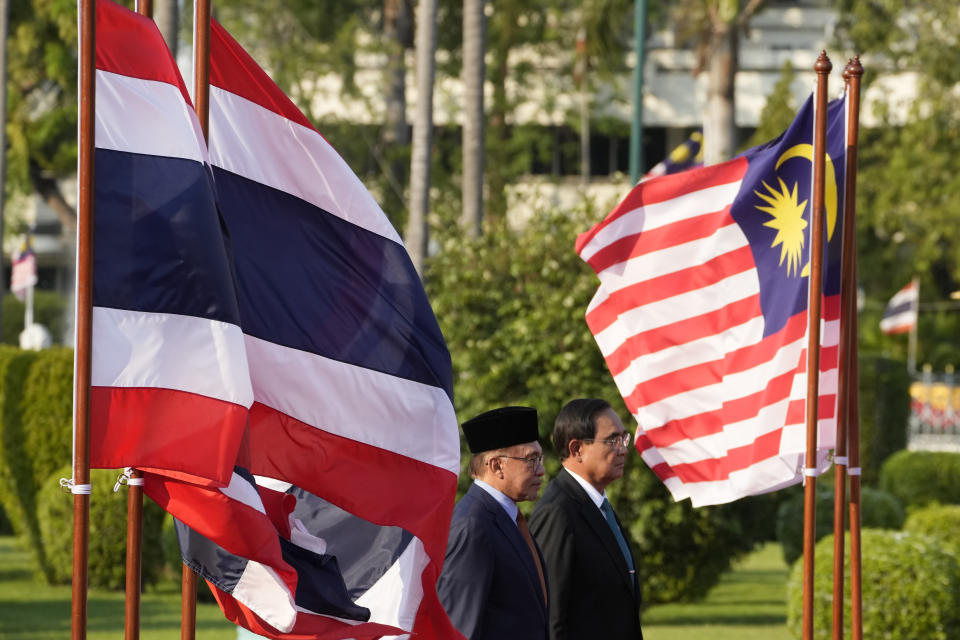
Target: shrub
878 509
941 522
108 532
910 589
48 412
919 478
18 488
884 410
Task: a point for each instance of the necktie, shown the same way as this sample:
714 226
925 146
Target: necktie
615 528
525 532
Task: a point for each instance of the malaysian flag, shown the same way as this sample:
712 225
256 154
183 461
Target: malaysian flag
285 334
23 268
701 314
687 155
900 315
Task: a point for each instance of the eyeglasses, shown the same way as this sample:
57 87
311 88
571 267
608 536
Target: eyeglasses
533 461
620 440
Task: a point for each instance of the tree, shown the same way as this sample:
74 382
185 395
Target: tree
511 304
714 27
417 229
909 173
42 102
166 13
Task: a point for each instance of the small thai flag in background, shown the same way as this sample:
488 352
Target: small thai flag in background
900 316
23 271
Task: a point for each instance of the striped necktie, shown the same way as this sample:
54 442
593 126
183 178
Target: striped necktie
525 532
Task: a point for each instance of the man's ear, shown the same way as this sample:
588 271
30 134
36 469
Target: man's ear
494 463
573 448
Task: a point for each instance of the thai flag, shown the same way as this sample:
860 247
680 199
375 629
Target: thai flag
23 268
701 314
352 381
900 314
170 384
278 328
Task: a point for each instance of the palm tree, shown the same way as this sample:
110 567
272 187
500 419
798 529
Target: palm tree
426 44
474 74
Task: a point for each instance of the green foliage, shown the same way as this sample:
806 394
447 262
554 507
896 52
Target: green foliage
941 522
18 487
778 111
511 307
919 478
878 510
108 532
48 412
884 410
6 528
910 589
41 92
909 184
49 309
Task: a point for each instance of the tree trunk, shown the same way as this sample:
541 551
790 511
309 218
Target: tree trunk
417 235
719 124
166 13
474 73
396 135
48 189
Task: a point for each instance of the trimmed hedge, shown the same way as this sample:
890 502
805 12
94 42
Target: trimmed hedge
919 478
18 485
108 532
941 522
910 589
878 509
884 411
48 412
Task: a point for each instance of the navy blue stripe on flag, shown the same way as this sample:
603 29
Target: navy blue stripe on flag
159 243
312 281
903 307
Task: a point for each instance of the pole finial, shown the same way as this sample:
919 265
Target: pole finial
853 69
823 64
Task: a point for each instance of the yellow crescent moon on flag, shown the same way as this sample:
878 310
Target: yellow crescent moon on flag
830 181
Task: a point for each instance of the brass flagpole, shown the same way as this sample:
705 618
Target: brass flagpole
201 102
80 484
822 68
853 73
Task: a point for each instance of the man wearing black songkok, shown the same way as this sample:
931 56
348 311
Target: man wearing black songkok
493 583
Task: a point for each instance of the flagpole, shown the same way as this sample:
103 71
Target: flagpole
853 72
912 336
822 67
80 483
131 618
201 103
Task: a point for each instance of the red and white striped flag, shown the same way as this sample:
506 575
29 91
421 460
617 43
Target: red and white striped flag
900 315
23 268
701 314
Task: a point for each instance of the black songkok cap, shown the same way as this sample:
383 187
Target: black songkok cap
500 428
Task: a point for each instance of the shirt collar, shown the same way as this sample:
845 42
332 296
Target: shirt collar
502 499
595 496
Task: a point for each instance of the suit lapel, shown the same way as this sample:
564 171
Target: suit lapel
594 518
512 533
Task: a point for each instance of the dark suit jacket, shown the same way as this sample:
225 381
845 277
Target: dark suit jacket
489 584
592 593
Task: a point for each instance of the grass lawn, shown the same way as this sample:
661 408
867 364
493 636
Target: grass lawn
748 604
31 610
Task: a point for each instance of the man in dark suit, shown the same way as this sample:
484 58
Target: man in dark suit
594 591
493 584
